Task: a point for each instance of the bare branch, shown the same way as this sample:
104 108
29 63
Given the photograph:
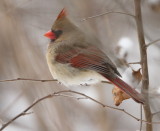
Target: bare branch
83 96
144 64
71 96
153 42
108 82
153 114
134 63
106 13
141 118
25 111
28 79
28 113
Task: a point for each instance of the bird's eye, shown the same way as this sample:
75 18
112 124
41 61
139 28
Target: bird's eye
57 32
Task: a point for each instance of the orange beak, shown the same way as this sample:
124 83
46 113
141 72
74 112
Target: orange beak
50 35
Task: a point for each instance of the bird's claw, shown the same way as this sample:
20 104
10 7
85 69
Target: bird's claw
85 84
59 82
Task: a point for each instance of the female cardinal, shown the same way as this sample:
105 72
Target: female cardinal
75 60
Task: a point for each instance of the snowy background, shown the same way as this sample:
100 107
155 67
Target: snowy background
22 54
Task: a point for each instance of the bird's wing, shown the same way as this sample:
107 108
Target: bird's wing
94 59
88 58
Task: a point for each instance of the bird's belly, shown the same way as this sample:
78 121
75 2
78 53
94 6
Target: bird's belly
70 76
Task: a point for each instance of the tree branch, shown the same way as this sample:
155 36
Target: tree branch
83 96
38 80
153 114
132 63
141 118
153 42
26 79
144 64
106 13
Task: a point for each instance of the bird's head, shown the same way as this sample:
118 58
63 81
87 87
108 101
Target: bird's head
62 25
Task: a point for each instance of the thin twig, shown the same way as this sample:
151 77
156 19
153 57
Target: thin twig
153 114
144 64
26 79
134 63
106 13
106 82
38 80
25 111
28 113
70 96
141 118
153 42
59 93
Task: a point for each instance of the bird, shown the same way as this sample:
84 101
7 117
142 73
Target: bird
74 59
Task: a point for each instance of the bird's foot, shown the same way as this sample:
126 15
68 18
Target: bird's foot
59 82
85 84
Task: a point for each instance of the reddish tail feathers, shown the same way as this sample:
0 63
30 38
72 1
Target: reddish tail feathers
127 89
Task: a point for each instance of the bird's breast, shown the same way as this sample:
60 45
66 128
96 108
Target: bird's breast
70 76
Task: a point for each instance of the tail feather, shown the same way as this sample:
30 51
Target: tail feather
127 89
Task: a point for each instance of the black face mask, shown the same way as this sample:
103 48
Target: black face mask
57 33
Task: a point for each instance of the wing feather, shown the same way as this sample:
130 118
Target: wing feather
88 58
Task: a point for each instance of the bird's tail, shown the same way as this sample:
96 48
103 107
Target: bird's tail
127 89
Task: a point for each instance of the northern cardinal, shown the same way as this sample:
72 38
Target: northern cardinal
74 60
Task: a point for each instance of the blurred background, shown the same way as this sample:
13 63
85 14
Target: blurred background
22 54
